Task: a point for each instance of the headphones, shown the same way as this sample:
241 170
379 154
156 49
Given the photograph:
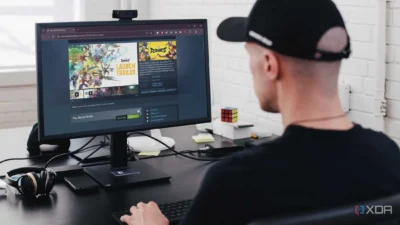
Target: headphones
31 181
33 144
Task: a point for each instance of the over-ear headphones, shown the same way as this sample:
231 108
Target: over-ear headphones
31 181
33 144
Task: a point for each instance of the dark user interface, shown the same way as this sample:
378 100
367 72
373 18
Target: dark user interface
105 78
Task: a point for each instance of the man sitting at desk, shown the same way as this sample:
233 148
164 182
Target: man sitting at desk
322 160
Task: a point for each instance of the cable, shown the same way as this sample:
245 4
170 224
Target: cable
170 154
87 149
40 156
69 153
101 146
143 158
187 152
12 159
176 152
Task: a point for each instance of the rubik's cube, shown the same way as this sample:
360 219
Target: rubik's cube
229 115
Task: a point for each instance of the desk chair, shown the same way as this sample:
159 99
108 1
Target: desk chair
342 215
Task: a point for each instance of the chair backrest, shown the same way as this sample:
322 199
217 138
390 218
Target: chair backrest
381 211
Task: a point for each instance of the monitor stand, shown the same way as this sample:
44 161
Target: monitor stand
120 172
102 154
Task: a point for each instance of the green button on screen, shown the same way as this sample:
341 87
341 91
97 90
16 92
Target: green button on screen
133 116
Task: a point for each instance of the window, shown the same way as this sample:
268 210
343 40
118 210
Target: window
17 28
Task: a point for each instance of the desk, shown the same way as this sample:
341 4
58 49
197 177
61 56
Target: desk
65 207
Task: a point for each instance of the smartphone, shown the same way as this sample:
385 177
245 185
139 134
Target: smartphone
81 183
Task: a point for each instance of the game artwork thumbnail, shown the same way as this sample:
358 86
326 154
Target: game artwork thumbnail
104 92
157 50
78 94
131 90
102 65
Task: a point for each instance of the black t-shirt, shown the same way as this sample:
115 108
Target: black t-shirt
305 169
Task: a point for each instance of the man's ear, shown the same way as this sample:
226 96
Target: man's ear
271 65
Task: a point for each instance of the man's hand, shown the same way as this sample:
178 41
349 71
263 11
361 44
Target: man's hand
145 214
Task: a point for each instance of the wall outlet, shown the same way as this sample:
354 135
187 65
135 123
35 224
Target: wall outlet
344 94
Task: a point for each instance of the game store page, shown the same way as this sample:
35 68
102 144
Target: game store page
94 79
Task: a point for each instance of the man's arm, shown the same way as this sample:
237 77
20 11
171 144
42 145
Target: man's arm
219 201
220 197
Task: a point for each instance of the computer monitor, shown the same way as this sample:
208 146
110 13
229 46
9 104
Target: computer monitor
97 78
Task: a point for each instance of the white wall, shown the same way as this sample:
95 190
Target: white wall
393 71
18 102
231 81
359 72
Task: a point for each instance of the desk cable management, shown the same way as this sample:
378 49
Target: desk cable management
82 149
174 151
104 144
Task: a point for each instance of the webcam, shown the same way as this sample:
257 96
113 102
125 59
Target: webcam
124 14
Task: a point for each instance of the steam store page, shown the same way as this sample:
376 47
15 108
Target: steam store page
102 82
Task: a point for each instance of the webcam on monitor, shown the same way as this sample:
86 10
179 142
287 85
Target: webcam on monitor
125 14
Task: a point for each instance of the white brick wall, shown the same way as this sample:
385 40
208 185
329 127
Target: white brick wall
231 79
393 71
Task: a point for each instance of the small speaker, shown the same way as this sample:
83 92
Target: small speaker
33 144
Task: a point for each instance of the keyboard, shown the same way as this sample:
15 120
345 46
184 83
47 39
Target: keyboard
174 211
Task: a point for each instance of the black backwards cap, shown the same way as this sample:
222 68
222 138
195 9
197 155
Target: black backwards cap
289 27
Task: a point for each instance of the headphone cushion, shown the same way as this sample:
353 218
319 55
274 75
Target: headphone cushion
37 177
42 182
51 181
26 186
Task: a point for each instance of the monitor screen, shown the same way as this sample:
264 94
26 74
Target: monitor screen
105 77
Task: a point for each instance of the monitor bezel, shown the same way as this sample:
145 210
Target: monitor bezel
39 26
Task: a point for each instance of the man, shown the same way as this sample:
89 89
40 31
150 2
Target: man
322 160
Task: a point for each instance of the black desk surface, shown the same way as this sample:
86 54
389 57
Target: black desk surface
67 207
